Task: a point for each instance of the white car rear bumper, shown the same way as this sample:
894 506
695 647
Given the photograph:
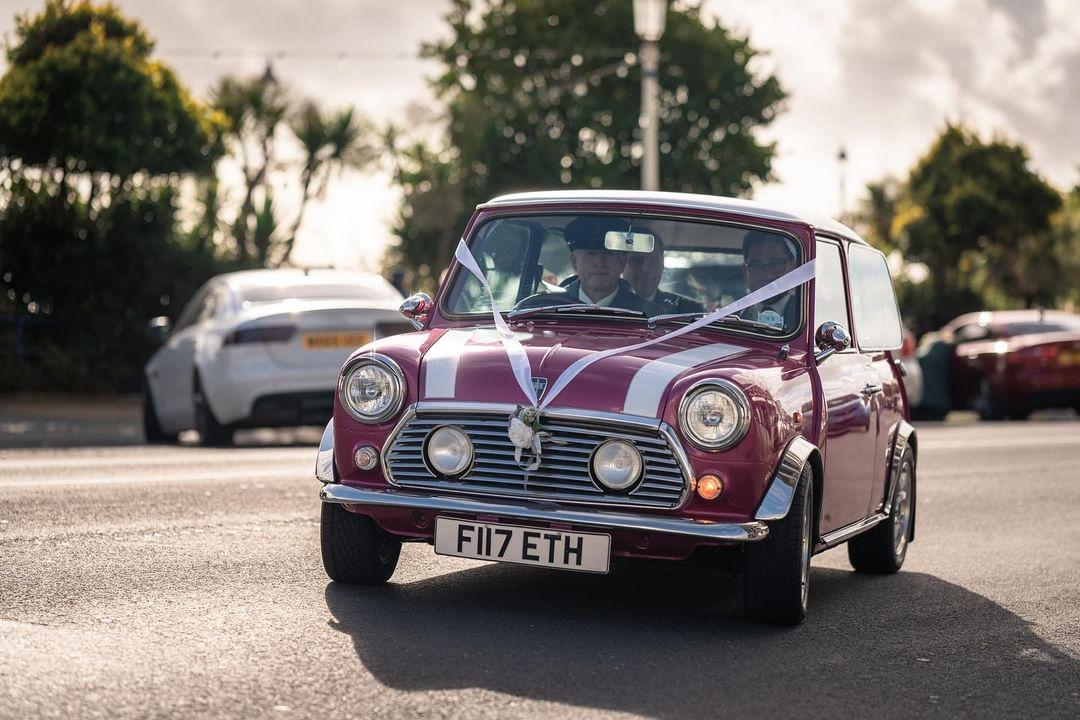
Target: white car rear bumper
249 388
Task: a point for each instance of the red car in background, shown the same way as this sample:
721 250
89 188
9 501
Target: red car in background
1010 362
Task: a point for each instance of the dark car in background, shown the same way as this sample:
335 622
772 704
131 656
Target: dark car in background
1001 364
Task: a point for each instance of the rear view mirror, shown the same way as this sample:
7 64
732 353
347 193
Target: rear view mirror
629 241
157 330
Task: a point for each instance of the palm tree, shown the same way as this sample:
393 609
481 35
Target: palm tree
253 109
331 143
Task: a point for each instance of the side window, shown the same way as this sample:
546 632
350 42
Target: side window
830 301
554 259
972 332
500 249
216 302
873 303
194 309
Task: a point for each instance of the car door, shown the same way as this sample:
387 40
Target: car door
170 371
878 332
850 435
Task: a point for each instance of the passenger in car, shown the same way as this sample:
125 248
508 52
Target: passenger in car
644 270
766 257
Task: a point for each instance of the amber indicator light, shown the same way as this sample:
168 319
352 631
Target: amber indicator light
709 487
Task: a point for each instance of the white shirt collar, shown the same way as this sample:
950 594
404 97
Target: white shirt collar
603 302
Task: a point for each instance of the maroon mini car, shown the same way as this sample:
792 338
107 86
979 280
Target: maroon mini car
610 376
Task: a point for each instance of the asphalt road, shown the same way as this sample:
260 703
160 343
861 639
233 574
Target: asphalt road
182 582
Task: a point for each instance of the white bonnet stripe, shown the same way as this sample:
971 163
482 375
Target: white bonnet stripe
441 364
651 381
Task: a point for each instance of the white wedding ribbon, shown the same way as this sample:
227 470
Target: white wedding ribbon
519 360
785 282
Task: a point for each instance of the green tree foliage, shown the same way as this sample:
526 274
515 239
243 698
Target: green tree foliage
82 93
94 135
1064 242
548 94
875 216
85 282
980 219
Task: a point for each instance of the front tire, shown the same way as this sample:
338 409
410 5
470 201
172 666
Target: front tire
776 571
987 403
152 431
881 550
354 549
211 432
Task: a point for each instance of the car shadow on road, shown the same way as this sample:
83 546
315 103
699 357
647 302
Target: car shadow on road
670 643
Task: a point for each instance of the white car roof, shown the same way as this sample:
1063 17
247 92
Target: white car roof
295 276
738 206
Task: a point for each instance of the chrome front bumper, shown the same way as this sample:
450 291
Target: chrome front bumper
727 532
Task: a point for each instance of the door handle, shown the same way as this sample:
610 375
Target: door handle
871 389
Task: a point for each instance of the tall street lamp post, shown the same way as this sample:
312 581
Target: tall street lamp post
649 17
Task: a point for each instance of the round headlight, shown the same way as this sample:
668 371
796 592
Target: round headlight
616 465
449 450
372 388
715 415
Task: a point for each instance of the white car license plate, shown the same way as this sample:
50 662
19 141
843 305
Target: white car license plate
587 552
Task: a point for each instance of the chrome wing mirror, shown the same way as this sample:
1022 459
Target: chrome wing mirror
157 330
830 338
417 308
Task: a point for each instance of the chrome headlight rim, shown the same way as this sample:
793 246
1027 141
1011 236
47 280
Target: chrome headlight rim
397 381
431 466
742 407
593 475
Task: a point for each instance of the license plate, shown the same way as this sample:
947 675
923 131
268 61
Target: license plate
586 552
335 341
1068 358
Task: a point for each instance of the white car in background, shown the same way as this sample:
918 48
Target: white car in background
261 348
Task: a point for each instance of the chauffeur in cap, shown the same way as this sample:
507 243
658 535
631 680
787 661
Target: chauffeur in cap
598 269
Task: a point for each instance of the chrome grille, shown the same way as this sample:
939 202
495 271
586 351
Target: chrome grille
563 474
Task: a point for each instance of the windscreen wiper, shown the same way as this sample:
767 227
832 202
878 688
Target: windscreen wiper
577 307
726 320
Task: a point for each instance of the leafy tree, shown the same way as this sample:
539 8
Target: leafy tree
1058 276
972 211
547 94
83 94
875 217
94 135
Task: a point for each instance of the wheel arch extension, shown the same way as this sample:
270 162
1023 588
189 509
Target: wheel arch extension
780 494
904 437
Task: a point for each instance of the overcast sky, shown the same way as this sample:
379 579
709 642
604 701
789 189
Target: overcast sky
879 77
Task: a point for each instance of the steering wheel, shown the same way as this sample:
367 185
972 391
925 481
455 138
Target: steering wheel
542 299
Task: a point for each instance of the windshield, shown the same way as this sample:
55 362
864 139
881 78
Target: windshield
550 263
318 291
